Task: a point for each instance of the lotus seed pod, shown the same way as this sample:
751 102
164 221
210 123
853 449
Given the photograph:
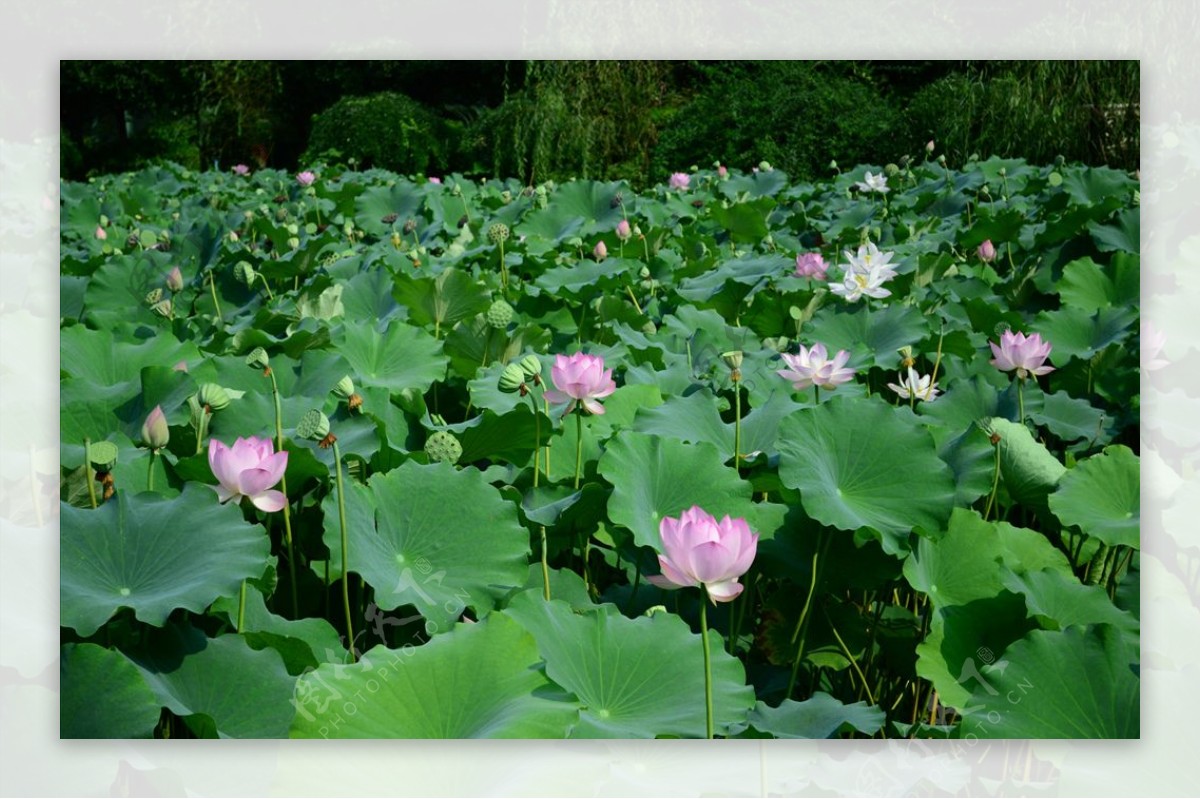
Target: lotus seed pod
941 159
531 366
442 447
103 455
214 396
154 296
163 308
244 272
293 229
891 170
344 388
294 243
506 196
499 314
410 226
1059 160
313 425
280 214
396 240
497 232
258 359
512 378
733 359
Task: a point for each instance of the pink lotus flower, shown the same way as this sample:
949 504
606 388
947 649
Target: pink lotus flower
699 550
722 171
438 181
623 230
811 264
679 180
1026 355
600 251
241 169
248 469
155 432
812 367
306 178
580 379
175 279
100 234
987 252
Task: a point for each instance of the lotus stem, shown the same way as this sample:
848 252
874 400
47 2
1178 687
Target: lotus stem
578 445
241 619
87 465
150 471
216 303
341 497
708 700
287 513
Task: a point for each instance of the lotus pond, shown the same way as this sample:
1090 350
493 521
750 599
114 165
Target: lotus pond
353 454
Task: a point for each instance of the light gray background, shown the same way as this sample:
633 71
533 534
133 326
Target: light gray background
34 762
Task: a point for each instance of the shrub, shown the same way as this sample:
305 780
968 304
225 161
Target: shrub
387 130
1083 110
796 115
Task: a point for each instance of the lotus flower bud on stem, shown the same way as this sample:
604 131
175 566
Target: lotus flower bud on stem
987 251
155 432
175 279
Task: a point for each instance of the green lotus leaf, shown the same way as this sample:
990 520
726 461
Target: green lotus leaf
1030 472
475 681
1125 235
302 643
857 464
223 687
153 556
615 666
874 336
1065 602
654 477
1077 333
401 357
1077 683
441 301
1101 496
820 716
404 199
439 538
103 695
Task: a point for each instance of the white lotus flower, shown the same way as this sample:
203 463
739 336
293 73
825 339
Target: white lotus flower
914 385
873 183
855 284
870 257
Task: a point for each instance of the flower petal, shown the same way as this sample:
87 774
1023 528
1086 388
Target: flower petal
269 501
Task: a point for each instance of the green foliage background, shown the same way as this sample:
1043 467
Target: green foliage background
638 120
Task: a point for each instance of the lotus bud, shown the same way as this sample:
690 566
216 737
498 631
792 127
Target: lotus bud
987 252
941 160
532 368
103 455
213 396
258 359
100 233
722 172
623 230
155 432
175 279
443 447
512 378
313 425
833 165
929 146
763 166
600 251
